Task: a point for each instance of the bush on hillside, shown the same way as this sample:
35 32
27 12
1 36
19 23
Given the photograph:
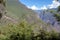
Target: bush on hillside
58 8
24 31
57 16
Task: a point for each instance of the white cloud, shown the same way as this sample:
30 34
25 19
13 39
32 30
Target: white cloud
43 8
33 7
36 8
54 4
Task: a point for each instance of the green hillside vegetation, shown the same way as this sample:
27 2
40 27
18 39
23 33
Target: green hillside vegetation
21 23
56 13
57 16
24 31
17 8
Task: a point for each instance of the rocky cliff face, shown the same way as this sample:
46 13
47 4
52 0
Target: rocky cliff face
2 8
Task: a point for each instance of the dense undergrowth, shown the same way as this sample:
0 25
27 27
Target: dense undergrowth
24 31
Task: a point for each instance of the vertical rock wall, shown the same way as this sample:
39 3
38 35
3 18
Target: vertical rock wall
2 8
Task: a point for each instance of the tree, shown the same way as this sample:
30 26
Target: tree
58 9
57 16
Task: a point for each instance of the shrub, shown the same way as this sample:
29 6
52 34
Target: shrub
23 31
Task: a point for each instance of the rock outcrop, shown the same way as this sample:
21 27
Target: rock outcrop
2 8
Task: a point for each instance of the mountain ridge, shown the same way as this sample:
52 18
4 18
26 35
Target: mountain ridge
20 12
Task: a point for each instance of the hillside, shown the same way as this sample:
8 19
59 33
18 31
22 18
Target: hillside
50 16
20 12
16 12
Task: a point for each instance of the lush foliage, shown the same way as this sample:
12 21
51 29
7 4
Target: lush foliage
57 16
25 31
58 8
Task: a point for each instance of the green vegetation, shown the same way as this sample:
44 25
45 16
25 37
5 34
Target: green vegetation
17 9
58 9
57 16
56 13
25 31
29 26
52 11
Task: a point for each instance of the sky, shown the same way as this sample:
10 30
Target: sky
40 4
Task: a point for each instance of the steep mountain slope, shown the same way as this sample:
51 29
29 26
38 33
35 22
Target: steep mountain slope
48 17
17 8
20 12
17 12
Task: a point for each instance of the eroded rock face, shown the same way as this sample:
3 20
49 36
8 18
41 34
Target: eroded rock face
2 8
2 2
